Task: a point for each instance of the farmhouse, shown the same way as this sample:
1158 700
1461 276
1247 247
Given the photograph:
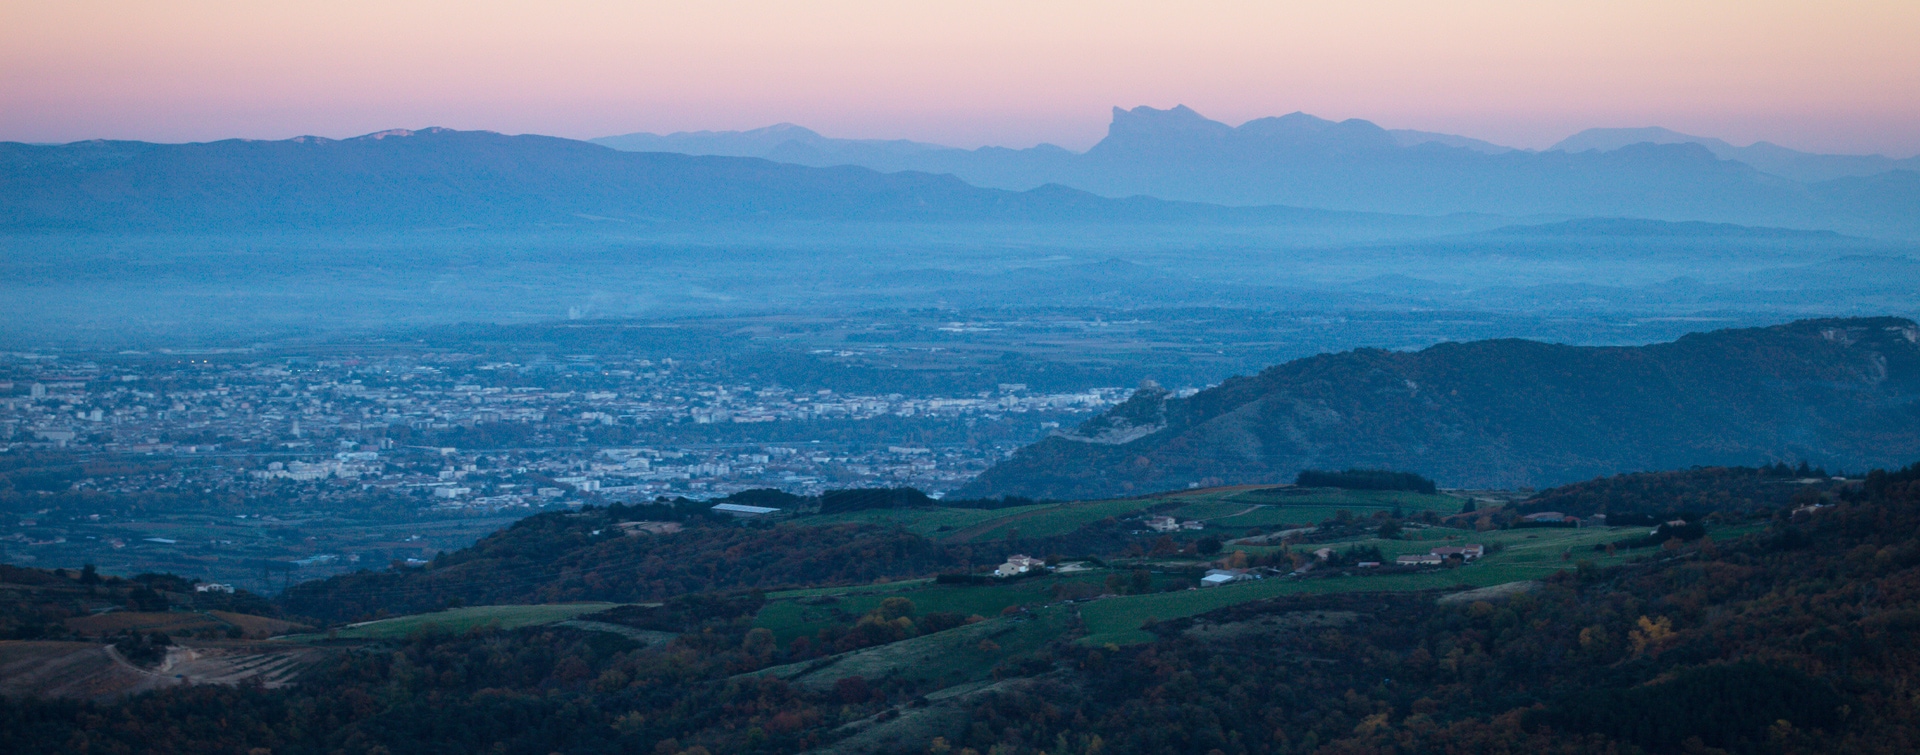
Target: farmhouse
1420 559
1018 563
1463 552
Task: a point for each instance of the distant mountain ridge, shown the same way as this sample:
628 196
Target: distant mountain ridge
1765 156
1355 165
444 178
1507 413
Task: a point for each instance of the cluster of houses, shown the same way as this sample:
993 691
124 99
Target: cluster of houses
1170 524
1437 556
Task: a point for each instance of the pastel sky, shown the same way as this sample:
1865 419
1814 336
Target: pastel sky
1834 75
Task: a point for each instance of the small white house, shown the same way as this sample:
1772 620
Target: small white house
737 510
1218 577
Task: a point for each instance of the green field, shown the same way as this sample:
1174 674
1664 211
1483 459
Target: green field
1057 519
1230 509
933 522
1270 507
1525 554
958 655
796 614
463 619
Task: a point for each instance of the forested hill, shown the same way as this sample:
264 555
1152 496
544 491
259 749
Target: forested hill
1785 633
1842 393
584 556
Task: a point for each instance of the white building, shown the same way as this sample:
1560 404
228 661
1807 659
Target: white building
737 510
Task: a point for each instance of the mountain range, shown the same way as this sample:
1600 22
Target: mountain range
1506 413
1766 156
1154 166
444 178
1302 160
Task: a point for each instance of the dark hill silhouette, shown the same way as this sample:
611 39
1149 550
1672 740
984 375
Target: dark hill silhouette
1841 393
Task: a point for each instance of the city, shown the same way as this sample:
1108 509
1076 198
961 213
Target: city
286 467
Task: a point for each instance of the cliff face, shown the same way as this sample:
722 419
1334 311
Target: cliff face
1505 413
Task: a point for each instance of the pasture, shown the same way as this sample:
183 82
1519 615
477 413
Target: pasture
1228 509
456 620
789 616
1524 554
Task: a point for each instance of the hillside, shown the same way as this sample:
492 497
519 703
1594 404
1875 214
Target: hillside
578 557
1507 413
1770 632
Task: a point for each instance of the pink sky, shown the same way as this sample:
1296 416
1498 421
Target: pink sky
1830 76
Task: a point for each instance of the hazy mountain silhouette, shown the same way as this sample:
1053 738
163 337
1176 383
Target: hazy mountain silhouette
1302 160
1766 156
797 144
444 178
1845 393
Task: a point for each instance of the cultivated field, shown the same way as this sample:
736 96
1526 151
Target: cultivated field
1228 509
789 615
463 619
1525 554
180 623
963 654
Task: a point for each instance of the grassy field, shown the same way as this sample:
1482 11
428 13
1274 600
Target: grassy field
463 619
849 590
958 655
789 615
1057 519
1230 509
1270 507
171 622
1525 554
927 522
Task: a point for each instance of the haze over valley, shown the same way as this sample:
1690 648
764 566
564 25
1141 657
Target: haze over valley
1048 379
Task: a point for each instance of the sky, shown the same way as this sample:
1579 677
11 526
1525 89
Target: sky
1834 76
